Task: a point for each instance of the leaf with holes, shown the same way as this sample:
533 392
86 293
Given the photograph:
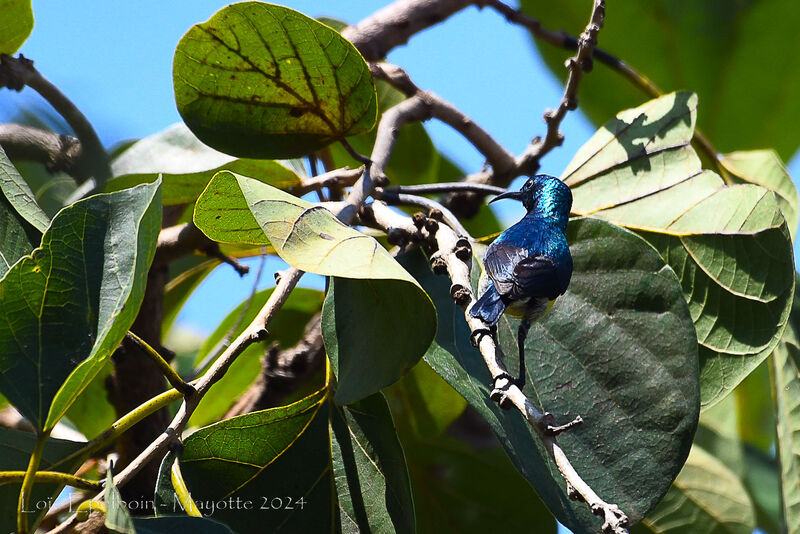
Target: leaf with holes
618 349
264 81
360 485
66 306
729 244
186 166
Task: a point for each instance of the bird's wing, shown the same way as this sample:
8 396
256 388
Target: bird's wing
517 274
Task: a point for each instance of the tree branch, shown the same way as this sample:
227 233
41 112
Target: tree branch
15 73
396 23
451 259
58 153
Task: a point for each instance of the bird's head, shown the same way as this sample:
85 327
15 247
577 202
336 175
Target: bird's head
544 196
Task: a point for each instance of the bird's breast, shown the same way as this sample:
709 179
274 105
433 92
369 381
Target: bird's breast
532 307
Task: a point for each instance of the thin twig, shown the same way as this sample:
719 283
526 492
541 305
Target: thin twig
582 62
445 187
566 41
405 199
451 258
343 177
15 73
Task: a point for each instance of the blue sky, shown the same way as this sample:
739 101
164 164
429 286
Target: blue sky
114 59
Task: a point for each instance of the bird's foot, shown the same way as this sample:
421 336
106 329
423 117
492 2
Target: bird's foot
478 333
499 394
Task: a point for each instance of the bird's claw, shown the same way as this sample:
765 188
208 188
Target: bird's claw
478 333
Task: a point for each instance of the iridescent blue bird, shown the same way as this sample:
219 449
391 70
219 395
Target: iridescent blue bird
529 265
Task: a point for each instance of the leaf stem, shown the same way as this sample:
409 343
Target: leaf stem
171 375
27 483
181 491
7 477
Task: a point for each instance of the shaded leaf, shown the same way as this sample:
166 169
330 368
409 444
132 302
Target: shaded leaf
449 476
706 497
186 166
180 288
600 353
369 469
786 390
118 519
16 24
165 501
261 80
286 329
254 459
18 235
92 412
765 168
170 525
716 48
729 245
19 195
16 448
67 306
374 332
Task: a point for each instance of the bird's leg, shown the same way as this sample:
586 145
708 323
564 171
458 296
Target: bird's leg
522 333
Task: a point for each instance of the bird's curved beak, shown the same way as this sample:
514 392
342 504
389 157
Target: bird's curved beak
516 195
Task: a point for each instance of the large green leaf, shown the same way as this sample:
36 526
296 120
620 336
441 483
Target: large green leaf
600 353
118 519
261 80
286 329
186 166
67 305
729 245
374 332
21 220
449 476
275 460
706 498
375 328
16 24
15 452
717 49
765 168
92 412
786 389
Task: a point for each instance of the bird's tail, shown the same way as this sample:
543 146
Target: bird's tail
489 307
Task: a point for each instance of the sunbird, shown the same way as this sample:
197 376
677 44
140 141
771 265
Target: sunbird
529 265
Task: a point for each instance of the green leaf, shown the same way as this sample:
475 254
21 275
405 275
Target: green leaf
19 195
382 321
424 401
729 245
717 49
16 24
369 469
165 501
170 525
786 390
118 519
600 353
765 168
374 332
449 476
274 461
16 447
264 81
92 411
67 306
186 166
181 287
19 235
286 329
706 497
